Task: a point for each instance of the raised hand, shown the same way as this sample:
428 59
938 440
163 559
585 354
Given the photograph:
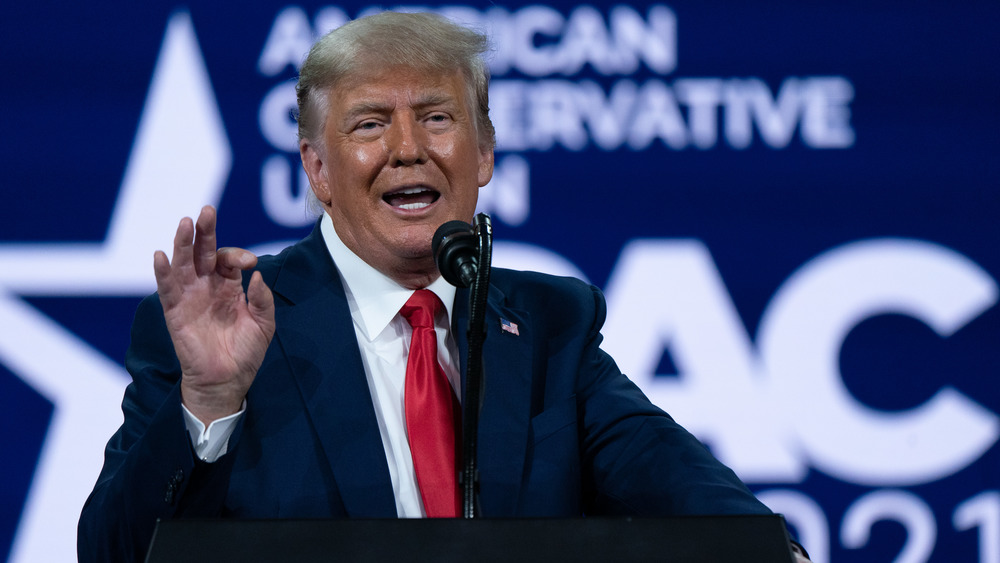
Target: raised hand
219 333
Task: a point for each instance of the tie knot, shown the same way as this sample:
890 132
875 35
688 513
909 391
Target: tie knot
420 308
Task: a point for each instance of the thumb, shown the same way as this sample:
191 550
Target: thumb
260 302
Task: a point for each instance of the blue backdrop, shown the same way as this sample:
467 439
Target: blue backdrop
788 201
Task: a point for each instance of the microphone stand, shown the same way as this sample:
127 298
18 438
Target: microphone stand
475 374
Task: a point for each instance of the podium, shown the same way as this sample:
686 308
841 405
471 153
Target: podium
715 539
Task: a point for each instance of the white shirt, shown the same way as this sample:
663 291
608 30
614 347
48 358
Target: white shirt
384 340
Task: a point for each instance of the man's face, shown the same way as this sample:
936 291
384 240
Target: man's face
400 156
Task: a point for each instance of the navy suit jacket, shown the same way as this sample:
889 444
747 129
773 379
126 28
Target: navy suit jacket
562 432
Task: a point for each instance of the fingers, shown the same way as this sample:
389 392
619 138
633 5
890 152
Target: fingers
204 252
170 274
231 261
194 245
161 269
183 250
195 256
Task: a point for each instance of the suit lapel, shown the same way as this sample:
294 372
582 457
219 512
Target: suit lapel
505 416
317 338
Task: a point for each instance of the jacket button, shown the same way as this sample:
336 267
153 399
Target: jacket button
172 486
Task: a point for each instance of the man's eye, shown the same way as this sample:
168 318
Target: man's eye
367 125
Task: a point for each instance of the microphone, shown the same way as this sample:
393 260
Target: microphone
463 255
455 248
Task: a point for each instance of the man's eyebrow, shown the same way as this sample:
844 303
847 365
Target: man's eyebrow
433 99
364 107
422 102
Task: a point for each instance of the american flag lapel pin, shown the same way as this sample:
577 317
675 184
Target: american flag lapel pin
508 326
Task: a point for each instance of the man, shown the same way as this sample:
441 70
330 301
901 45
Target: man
284 393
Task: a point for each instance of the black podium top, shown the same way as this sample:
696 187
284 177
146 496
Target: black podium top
742 539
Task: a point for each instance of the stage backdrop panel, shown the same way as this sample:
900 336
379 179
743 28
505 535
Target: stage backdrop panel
791 207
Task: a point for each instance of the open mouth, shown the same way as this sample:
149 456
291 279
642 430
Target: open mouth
411 198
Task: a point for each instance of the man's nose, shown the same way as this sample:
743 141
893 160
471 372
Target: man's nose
407 141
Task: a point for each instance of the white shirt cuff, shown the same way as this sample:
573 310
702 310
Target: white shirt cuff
211 443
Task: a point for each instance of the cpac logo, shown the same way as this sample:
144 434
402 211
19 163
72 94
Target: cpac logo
662 295
771 412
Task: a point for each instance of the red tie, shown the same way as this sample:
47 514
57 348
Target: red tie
430 410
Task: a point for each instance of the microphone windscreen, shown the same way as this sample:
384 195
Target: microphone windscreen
447 229
454 248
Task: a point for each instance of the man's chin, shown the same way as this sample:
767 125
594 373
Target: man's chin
410 237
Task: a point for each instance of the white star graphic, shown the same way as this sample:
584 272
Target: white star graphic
180 161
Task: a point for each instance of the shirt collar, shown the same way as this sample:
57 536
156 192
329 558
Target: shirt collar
377 297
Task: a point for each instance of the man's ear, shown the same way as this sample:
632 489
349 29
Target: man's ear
485 166
313 162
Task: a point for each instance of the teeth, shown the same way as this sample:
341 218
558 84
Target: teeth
411 191
414 205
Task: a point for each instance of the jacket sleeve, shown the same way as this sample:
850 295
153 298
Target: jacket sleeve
636 458
150 471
